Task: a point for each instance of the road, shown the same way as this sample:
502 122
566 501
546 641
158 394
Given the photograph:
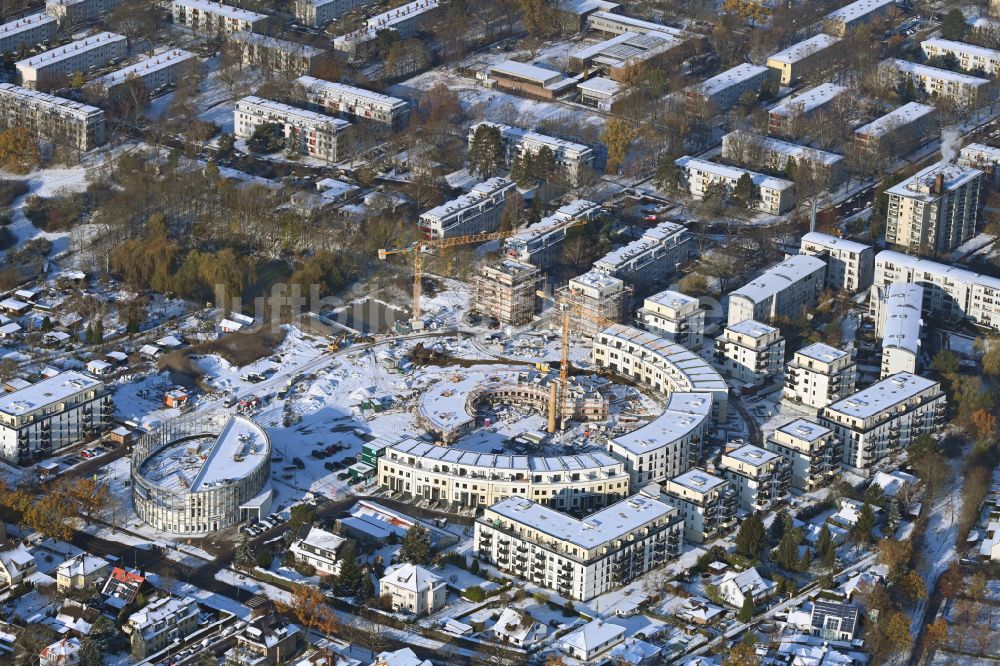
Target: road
756 437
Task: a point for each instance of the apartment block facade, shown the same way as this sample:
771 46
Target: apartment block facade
310 133
707 503
896 310
812 451
649 261
317 13
27 31
818 375
885 418
572 157
541 243
215 17
675 316
723 91
51 67
272 54
777 195
849 265
49 118
759 477
750 352
935 210
784 290
803 58
477 212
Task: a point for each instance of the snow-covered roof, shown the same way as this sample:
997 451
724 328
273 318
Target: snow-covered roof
672 299
664 234
411 577
599 85
901 328
353 94
519 627
821 352
797 151
923 184
240 447
70 50
542 76
220 9
952 46
595 462
597 280
833 242
892 482
287 112
402 657
752 328
56 105
805 430
29 22
732 173
592 635
282 45
921 266
808 100
16 559
882 395
978 153
527 137
857 9
685 413
145 66
730 77
604 19
804 49
83 564
698 480
751 455
160 610
895 119
474 197
322 539
598 528
46 392
690 371
792 270
919 69
749 580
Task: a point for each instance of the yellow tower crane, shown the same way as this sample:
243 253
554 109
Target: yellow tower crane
417 250
568 310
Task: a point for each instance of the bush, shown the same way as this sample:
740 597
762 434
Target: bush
306 569
57 213
266 138
475 594
10 190
7 238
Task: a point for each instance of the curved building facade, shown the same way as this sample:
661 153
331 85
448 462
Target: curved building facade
201 474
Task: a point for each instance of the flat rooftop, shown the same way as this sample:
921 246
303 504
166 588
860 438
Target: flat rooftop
921 185
752 328
557 220
804 49
754 456
672 299
595 462
541 75
295 112
821 352
856 10
980 151
961 47
596 280
595 530
631 24
146 66
804 430
228 11
882 395
344 91
283 45
921 266
61 104
833 242
799 152
685 413
651 239
919 69
46 392
527 136
28 22
475 196
698 480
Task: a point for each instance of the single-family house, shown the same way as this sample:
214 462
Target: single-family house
734 587
834 621
16 564
83 572
64 652
413 589
518 628
592 640
318 548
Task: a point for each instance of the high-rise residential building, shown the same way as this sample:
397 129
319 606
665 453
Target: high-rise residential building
675 316
849 265
784 290
812 451
817 375
935 210
949 292
506 291
885 418
750 352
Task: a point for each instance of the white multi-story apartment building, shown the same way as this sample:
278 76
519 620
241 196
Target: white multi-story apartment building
571 157
777 195
818 375
317 13
750 352
896 309
849 265
675 316
669 444
579 559
51 414
784 290
963 89
786 116
660 364
272 54
216 17
313 134
651 259
153 72
594 299
747 149
707 504
404 20
161 622
26 31
969 56
982 157
885 418
474 213
841 21
935 210
356 104
898 131
579 483
803 58
49 118
812 451
541 242
759 477
723 91
74 12
949 292
46 69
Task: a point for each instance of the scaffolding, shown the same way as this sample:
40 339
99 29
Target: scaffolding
506 290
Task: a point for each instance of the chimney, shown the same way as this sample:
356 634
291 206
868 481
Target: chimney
939 183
